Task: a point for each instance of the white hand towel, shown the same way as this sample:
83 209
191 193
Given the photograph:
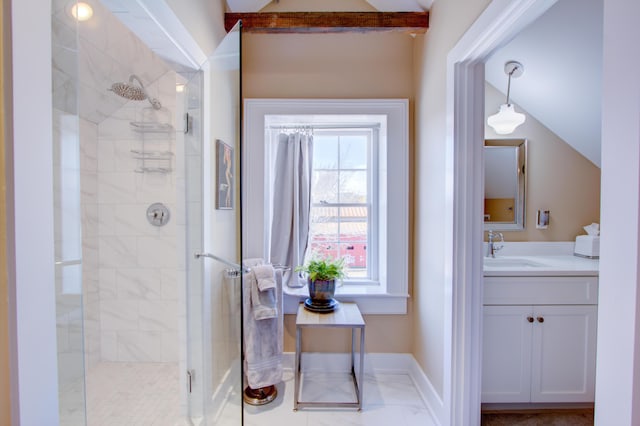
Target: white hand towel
265 276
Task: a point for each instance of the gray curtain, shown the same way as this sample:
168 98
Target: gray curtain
291 202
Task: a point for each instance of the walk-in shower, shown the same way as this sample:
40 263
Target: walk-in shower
147 333
134 92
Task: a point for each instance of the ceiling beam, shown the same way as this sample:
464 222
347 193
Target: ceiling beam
329 22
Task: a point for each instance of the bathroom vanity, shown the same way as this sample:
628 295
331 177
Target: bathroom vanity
539 330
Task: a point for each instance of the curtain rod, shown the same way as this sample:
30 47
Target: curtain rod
324 126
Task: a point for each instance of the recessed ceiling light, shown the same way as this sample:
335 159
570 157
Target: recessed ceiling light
81 11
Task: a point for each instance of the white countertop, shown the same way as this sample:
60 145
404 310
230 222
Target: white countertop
540 265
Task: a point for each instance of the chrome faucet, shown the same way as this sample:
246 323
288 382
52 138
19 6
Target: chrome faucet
492 246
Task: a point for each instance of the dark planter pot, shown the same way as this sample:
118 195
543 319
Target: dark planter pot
322 292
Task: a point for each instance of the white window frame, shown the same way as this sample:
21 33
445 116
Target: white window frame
390 297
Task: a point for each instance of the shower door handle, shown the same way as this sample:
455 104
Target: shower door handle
191 376
187 121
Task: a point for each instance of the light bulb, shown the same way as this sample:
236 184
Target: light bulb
506 120
81 11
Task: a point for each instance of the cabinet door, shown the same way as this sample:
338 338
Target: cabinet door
506 353
563 364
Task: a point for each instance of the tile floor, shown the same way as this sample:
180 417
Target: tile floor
146 394
389 399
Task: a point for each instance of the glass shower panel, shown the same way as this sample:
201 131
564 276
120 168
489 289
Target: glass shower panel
69 164
214 311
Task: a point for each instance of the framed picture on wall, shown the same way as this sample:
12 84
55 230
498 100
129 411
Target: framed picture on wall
224 176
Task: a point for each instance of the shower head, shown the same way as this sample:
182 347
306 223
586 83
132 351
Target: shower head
134 92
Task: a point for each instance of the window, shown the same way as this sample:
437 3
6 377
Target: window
344 200
68 212
359 195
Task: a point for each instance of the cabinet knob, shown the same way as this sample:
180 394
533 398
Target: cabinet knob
530 319
540 319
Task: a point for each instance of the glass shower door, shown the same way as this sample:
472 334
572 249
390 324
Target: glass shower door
213 246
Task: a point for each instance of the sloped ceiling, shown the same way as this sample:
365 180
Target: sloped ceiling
89 57
561 85
238 6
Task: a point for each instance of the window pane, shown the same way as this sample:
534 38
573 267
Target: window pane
355 231
353 241
353 187
321 249
324 224
355 257
341 176
353 152
323 232
325 152
324 188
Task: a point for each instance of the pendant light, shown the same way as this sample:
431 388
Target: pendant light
507 119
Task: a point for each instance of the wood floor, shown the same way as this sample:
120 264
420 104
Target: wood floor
545 418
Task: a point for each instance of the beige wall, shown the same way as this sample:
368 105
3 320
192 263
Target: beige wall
449 19
384 334
5 400
327 65
559 179
335 66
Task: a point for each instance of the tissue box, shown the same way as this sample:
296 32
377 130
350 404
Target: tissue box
587 246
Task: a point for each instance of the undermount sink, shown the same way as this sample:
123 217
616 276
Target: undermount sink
511 262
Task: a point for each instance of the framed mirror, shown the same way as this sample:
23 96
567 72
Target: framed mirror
504 184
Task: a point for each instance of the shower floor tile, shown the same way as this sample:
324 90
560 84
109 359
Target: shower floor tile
132 394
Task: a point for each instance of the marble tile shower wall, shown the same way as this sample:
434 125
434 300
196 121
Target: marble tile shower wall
129 268
138 268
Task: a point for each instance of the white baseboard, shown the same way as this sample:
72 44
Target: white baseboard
429 395
381 363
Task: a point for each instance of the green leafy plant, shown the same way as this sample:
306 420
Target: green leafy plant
323 269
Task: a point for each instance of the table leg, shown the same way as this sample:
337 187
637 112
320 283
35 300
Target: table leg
361 373
353 350
297 368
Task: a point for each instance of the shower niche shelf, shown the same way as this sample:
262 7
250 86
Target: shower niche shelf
152 155
151 127
152 161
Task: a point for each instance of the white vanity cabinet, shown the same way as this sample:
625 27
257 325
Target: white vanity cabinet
539 339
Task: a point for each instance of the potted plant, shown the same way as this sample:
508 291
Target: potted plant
321 277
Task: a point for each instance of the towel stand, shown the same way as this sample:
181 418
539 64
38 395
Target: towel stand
267 394
260 396
235 272
235 269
